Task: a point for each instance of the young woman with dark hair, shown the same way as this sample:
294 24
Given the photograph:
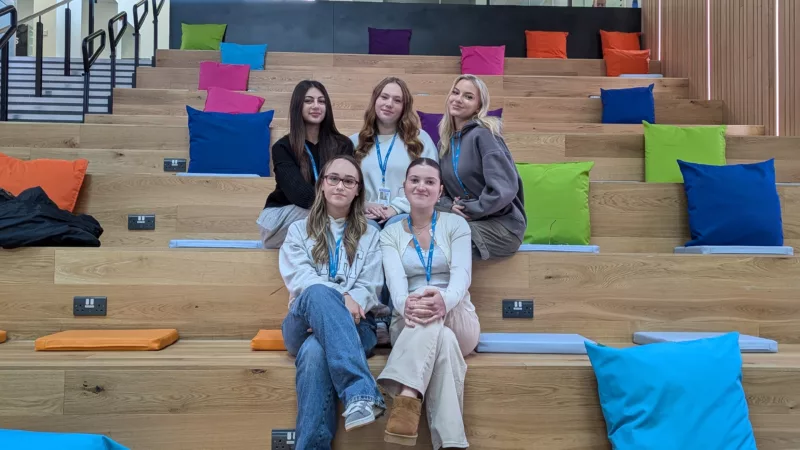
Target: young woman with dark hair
331 265
427 259
297 159
390 139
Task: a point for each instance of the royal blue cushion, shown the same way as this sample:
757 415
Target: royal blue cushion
251 55
733 205
229 143
632 105
33 440
674 396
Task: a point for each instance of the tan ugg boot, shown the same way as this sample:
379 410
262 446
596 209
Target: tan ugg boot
403 422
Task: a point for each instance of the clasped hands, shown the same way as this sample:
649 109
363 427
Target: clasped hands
378 212
425 308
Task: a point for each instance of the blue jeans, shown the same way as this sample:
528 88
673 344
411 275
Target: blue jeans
331 362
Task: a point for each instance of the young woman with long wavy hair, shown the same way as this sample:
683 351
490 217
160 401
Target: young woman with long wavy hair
389 140
331 265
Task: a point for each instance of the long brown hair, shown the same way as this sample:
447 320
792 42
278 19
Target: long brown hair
407 126
330 139
317 223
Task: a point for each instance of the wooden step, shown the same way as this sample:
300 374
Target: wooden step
205 394
402 64
231 294
360 82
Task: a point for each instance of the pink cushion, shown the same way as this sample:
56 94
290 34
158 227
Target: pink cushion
228 76
225 101
483 60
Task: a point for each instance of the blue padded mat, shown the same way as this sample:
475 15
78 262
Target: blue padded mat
734 250
747 343
559 248
220 175
211 243
532 343
33 440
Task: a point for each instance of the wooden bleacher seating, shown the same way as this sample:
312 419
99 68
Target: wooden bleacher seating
354 82
412 64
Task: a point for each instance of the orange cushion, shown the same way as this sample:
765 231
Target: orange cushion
61 180
546 44
108 340
620 62
3 336
619 40
268 340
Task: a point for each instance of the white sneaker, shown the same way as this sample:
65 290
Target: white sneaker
358 414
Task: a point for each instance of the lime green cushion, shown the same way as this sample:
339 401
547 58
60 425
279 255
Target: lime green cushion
202 37
664 145
556 203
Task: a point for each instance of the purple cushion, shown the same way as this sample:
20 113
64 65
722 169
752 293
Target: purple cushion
430 122
389 42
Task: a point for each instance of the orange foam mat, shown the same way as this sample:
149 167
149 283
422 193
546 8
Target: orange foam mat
268 340
3 336
107 340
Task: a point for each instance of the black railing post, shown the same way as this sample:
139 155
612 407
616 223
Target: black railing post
39 58
67 41
137 25
89 59
156 11
91 24
113 39
5 58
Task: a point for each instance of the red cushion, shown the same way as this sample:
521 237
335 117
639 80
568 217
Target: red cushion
225 101
483 60
619 40
620 62
546 44
60 180
229 76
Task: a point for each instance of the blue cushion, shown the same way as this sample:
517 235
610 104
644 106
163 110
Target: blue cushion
229 143
251 55
747 343
681 395
733 205
532 343
631 106
33 440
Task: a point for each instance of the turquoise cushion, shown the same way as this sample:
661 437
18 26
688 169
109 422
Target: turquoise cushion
674 396
33 440
249 55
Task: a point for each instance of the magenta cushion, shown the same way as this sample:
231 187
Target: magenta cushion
229 76
430 122
225 101
389 42
483 60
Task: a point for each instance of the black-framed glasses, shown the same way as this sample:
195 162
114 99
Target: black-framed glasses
333 180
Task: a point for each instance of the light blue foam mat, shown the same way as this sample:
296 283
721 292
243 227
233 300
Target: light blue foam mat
641 75
734 250
545 343
559 248
214 243
34 440
747 343
219 175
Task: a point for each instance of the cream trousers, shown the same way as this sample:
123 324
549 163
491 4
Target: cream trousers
430 359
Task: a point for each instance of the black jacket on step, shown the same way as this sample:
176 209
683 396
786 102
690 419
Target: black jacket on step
32 220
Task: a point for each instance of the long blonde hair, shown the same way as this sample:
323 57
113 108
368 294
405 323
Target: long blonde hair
447 127
318 222
407 127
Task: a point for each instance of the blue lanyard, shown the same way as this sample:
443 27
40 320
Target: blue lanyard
429 266
456 155
313 163
333 259
384 163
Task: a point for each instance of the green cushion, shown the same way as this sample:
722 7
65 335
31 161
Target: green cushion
556 202
664 145
202 37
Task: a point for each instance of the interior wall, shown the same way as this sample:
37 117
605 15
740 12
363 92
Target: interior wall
789 67
685 54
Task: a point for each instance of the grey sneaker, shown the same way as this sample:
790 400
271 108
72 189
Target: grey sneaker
358 414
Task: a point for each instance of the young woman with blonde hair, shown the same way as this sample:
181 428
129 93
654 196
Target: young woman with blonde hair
389 140
481 182
331 265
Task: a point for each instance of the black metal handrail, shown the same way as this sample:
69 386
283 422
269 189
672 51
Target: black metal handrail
4 57
137 25
156 11
89 59
113 39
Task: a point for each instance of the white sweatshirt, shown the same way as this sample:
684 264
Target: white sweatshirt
363 279
398 162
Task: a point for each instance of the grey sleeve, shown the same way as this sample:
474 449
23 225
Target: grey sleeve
500 175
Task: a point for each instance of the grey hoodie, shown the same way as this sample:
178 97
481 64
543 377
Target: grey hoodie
487 170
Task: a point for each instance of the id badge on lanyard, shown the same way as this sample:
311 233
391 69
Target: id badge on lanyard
384 194
384 197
